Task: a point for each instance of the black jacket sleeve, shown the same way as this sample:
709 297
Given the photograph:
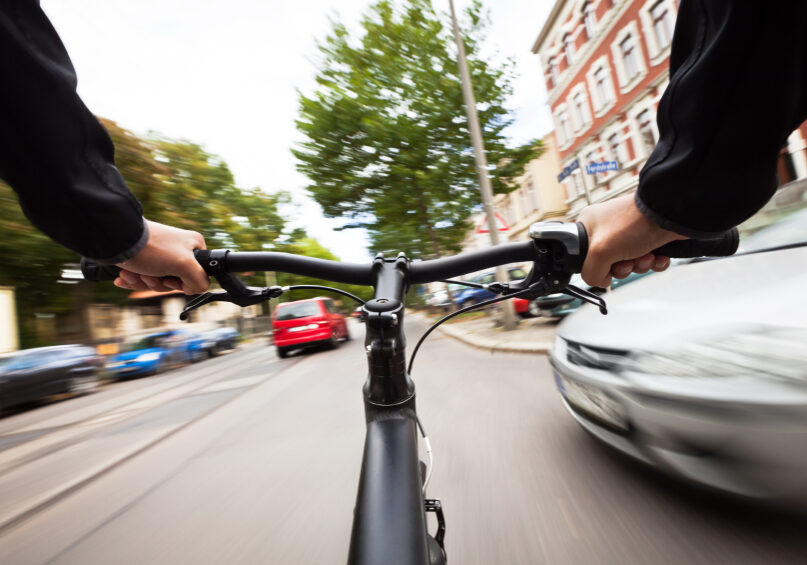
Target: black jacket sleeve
738 88
53 152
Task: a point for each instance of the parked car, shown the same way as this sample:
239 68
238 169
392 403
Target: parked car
308 323
34 374
220 339
701 371
197 346
439 299
150 354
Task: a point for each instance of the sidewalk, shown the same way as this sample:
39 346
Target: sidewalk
533 335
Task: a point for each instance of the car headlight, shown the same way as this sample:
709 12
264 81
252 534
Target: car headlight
146 357
776 353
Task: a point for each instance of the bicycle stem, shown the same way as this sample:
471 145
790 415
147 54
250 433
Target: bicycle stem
388 384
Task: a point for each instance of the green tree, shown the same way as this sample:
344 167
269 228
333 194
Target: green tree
310 247
387 141
177 182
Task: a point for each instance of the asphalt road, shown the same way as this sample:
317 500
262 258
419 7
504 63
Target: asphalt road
247 458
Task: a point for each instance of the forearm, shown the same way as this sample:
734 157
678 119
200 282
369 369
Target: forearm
53 152
738 88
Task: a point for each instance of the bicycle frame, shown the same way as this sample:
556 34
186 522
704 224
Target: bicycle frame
389 524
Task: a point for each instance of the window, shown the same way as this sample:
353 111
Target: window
526 207
662 23
589 19
563 126
646 134
591 157
602 86
615 145
553 71
533 196
568 48
577 181
630 57
581 114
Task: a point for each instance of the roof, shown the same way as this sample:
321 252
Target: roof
550 21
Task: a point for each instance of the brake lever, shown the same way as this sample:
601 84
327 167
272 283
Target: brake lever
586 296
235 291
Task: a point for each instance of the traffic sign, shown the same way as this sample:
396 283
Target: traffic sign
501 225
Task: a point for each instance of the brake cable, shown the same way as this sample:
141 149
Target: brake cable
529 290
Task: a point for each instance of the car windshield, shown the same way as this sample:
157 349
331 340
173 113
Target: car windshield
779 219
18 362
791 230
296 310
147 342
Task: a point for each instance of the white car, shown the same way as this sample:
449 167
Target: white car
701 371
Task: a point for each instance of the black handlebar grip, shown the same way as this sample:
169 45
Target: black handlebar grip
721 246
96 273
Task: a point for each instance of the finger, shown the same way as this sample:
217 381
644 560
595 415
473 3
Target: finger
661 263
124 284
129 276
173 283
156 284
622 269
644 263
198 241
194 278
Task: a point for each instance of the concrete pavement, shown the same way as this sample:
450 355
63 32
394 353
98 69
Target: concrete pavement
533 335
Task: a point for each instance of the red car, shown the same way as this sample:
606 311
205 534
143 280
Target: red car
307 323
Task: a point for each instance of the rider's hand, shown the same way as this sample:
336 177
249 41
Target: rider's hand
621 239
168 253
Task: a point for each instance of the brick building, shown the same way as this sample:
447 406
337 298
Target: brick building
606 65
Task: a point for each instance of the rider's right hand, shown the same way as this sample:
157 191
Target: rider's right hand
620 241
166 263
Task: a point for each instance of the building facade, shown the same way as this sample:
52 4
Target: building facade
539 196
606 65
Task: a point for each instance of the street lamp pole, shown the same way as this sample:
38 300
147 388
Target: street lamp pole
481 160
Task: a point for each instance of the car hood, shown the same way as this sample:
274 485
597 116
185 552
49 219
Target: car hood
697 301
129 355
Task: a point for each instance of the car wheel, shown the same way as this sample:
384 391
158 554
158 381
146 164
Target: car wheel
533 309
282 352
333 343
80 386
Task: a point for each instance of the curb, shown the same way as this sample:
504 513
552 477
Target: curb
493 345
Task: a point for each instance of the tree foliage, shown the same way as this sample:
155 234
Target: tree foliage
387 141
178 183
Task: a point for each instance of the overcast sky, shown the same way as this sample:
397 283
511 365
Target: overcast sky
226 74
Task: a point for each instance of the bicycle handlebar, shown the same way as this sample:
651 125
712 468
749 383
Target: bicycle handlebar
420 272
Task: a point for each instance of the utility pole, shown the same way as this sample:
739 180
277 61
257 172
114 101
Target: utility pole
481 161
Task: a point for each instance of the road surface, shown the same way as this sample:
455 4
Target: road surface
247 458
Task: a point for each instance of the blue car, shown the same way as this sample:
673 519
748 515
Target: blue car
150 355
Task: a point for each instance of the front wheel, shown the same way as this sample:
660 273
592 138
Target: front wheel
80 386
282 352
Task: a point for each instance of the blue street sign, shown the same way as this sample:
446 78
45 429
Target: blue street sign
573 166
594 168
